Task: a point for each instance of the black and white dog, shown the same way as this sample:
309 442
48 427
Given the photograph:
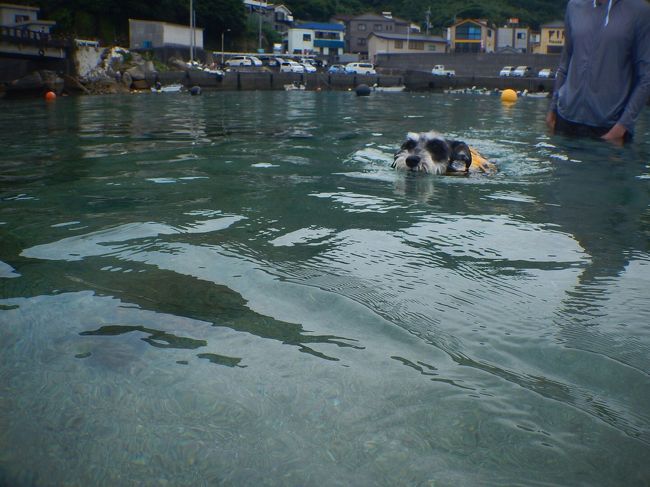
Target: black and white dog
430 152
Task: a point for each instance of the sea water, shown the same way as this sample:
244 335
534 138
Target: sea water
237 289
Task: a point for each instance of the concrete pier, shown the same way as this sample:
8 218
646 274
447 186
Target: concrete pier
412 80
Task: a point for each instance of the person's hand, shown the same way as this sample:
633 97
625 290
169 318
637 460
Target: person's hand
615 134
550 120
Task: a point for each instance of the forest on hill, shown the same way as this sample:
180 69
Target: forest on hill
107 20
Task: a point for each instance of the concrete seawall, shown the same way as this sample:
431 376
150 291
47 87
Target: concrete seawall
412 80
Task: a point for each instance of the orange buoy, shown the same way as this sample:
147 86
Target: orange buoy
50 96
509 96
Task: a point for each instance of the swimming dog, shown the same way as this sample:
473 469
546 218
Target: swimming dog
431 153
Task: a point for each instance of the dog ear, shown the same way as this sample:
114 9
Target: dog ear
439 149
461 152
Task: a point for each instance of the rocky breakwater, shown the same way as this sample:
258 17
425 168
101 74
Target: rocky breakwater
101 71
117 71
36 83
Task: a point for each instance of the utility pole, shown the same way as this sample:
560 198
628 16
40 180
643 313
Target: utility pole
191 31
428 17
259 35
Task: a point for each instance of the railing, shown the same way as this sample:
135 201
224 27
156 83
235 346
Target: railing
25 36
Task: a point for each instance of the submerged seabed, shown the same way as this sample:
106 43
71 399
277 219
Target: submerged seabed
236 289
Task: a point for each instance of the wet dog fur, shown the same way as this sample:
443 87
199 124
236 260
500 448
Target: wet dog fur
431 153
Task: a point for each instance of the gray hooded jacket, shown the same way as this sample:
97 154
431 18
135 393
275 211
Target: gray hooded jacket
604 72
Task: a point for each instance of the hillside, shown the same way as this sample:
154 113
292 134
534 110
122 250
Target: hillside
108 19
441 12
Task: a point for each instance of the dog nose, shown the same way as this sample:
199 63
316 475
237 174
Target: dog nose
412 161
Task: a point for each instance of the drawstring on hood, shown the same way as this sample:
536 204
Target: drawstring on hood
609 9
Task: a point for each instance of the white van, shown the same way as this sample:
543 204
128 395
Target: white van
291 67
360 68
243 61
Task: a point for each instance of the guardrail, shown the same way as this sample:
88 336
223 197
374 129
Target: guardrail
24 36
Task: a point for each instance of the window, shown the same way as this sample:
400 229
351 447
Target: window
399 44
306 37
468 32
431 47
377 27
21 18
468 47
361 27
389 27
361 42
521 35
417 45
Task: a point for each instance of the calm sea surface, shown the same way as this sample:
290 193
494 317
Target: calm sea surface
236 289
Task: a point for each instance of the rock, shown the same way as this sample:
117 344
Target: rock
137 72
140 84
52 81
149 67
33 81
126 80
177 64
72 85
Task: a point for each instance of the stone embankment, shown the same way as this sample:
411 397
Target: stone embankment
117 70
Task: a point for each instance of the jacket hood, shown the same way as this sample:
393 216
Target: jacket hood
609 8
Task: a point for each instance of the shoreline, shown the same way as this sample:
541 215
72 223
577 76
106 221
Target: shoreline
249 80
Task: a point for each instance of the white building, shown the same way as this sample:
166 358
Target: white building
149 34
382 43
316 38
23 35
24 17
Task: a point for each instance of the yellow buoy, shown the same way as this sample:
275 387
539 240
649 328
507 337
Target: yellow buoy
509 95
50 96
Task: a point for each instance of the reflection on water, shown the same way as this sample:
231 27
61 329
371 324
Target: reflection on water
237 289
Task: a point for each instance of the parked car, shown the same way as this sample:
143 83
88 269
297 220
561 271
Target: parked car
270 61
506 71
309 68
256 61
360 68
239 61
336 68
522 72
546 73
291 67
440 70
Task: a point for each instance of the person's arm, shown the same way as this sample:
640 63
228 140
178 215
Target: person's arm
562 70
641 91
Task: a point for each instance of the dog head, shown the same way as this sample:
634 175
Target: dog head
426 152
431 153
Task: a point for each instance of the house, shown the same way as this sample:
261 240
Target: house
24 18
150 34
23 35
551 38
357 30
472 35
383 43
316 38
515 38
277 17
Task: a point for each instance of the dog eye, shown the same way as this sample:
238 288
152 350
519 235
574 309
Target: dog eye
439 149
409 145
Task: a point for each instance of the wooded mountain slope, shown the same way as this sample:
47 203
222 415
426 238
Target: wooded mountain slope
108 19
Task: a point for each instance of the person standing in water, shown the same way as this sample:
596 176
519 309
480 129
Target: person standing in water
603 79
